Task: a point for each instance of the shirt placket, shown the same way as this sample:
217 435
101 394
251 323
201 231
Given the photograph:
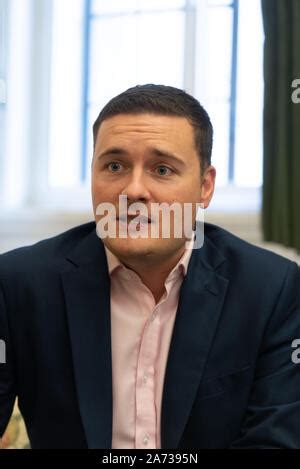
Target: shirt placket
146 414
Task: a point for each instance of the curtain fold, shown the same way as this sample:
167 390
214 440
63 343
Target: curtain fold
281 167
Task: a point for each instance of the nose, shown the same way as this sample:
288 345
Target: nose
136 188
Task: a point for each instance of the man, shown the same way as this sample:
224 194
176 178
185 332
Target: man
142 341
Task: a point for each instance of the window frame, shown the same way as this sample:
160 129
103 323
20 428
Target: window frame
34 156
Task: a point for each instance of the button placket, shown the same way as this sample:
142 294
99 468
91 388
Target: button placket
145 391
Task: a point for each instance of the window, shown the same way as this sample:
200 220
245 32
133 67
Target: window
67 58
211 48
132 42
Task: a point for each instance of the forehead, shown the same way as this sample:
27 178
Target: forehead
138 128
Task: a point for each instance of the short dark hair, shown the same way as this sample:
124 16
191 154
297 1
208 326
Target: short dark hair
163 100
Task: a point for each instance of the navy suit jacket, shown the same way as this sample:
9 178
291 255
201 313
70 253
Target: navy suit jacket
230 381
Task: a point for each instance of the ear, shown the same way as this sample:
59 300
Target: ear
208 185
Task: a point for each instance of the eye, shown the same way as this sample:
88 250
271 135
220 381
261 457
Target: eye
164 170
114 166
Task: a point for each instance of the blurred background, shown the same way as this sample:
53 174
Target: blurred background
62 60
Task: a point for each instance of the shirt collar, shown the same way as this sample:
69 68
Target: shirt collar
115 264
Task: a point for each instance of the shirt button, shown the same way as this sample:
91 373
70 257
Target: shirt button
146 439
145 378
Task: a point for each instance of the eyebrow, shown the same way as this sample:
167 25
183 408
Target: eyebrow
116 151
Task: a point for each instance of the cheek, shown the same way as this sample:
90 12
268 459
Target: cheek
193 193
102 190
184 194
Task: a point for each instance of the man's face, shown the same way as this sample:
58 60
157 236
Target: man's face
151 159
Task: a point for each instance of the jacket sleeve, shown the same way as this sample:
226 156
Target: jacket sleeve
7 378
272 419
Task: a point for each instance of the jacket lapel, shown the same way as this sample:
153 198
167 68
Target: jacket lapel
87 295
200 304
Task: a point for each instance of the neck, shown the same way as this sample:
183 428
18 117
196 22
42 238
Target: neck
154 275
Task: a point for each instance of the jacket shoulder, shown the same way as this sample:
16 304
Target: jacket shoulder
48 249
244 253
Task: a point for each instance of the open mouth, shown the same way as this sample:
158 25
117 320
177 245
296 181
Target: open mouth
135 219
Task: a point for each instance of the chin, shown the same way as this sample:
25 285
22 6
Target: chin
130 246
146 247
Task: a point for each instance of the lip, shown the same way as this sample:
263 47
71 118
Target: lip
139 219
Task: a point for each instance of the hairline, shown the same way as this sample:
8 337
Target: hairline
203 164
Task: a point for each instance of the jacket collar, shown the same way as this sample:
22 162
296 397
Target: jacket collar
86 286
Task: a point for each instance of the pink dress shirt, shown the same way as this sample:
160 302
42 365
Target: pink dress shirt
141 332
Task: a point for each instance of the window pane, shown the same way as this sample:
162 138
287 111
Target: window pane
113 57
161 4
249 136
102 7
213 63
219 3
160 55
219 52
125 52
65 133
134 56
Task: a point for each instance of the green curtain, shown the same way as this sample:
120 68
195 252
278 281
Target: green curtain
281 123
